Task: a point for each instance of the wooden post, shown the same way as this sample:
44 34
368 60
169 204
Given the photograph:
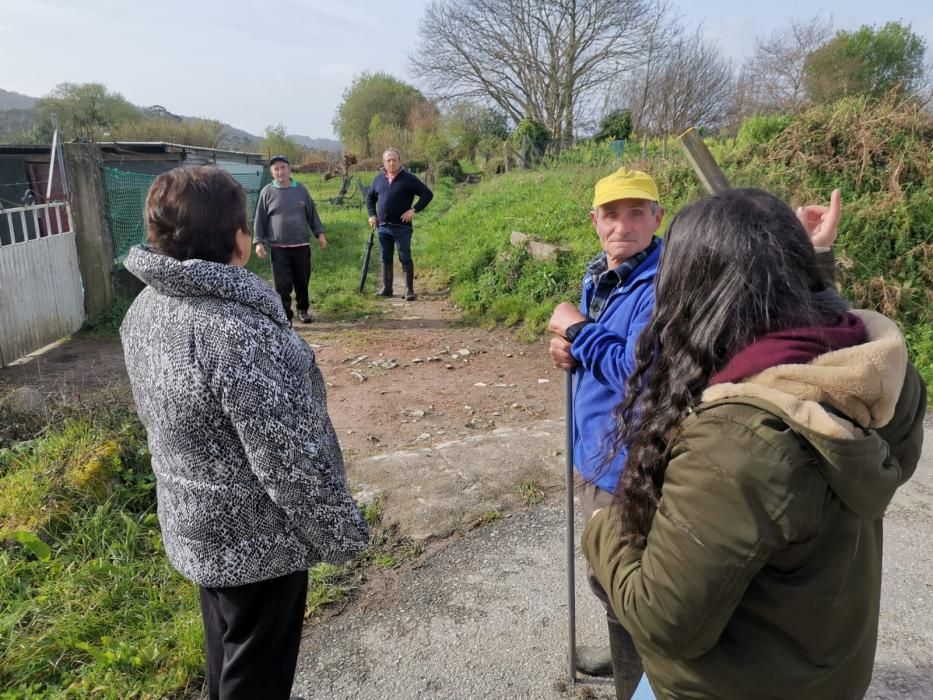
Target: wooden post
702 162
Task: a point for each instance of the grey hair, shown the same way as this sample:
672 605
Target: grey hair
392 150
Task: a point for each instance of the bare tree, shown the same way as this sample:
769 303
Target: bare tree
694 87
661 30
773 79
687 82
539 58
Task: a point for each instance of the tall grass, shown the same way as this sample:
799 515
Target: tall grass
491 280
97 612
89 605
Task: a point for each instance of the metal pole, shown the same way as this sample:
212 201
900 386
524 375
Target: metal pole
571 583
54 155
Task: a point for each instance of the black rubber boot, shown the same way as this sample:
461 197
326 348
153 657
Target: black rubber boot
594 661
410 282
626 663
387 273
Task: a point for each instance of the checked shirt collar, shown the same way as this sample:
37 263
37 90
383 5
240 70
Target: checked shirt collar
606 280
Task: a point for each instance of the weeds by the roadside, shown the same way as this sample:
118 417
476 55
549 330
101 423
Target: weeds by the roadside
329 584
531 493
490 516
100 612
91 606
106 323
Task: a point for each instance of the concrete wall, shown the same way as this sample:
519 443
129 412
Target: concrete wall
89 208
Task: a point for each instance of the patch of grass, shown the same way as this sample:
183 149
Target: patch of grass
104 612
531 493
106 324
91 606
16 430
372 512
920 344
386 561
490 516
329 584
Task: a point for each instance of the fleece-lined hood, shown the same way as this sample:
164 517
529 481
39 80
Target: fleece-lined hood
863 383
199 278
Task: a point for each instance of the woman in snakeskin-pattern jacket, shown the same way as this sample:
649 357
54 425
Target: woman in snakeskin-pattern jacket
250 478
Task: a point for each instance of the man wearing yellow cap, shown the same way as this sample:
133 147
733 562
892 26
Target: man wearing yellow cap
597 342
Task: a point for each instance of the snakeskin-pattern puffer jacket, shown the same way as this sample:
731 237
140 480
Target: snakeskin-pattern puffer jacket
249 473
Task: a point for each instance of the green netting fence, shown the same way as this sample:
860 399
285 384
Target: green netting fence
126 200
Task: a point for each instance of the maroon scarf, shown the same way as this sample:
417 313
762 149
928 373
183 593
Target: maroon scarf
794 346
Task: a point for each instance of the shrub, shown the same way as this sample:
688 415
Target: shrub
762 128
494 166
616 125
532 131
878 154
451 169
417 166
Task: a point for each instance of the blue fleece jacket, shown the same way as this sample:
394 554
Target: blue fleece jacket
388 202
605 351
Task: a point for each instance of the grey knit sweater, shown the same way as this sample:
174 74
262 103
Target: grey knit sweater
284 215
250 477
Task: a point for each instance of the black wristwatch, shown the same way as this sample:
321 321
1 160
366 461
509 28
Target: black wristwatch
574 329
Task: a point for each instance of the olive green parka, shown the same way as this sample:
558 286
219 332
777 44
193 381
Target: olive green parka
761 576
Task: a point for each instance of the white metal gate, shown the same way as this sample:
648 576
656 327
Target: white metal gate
41 295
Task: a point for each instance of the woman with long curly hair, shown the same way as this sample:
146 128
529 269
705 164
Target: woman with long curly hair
767 431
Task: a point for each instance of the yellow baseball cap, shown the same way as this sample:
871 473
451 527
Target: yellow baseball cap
625 184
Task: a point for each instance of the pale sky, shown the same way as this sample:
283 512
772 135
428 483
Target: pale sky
253 64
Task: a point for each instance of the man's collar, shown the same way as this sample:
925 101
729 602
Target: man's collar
599 265
294 183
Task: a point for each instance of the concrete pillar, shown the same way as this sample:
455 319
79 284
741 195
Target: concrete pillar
89 209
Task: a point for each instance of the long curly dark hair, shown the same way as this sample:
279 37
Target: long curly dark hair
735 266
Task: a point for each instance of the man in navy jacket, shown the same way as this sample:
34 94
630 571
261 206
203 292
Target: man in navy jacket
392 207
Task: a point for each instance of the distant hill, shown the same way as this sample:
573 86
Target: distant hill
317 144
14 124
239 140
16 116
14 100
16 112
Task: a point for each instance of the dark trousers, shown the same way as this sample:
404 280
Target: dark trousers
389 236
251 637
627 668
291 269
592 499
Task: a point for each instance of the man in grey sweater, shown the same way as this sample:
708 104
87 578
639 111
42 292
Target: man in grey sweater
284 214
